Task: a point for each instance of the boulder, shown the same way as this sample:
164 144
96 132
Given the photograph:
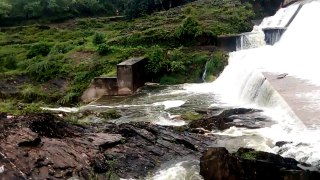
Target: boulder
217 163
239 117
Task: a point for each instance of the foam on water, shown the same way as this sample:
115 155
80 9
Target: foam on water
185 170
61 109
170 104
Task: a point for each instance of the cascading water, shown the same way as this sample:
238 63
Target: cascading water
242 84
272 36
250 40
205 72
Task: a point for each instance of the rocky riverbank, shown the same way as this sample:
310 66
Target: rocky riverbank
45 146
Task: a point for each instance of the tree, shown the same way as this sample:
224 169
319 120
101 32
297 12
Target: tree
5 8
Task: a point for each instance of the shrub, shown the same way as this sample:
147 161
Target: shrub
61 48
216 65
31 93
9 62
103 49
157 60
176 60
43 69
98 38
42 49
189 28
171 79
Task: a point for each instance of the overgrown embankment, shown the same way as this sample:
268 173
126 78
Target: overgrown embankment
54 63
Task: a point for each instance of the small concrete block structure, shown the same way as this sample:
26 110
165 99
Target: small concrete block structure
99 87
131 75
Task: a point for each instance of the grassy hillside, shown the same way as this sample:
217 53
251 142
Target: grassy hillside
54 63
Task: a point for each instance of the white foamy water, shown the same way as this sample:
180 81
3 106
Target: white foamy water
61 109
166 119
170 104
185 170
253 39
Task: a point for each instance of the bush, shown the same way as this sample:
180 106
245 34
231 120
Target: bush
98 38
171 79
30 93
8 62
216 65
61 48
103 49
43 69
42 49
176 62
157 60
189 28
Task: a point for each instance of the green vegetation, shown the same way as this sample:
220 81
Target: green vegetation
17 108
215 65
60 60
191 115
251 155
110 114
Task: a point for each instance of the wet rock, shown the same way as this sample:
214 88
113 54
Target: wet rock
3 115
48 125
45 146
239 117
215 122
282 143
105 140
218 163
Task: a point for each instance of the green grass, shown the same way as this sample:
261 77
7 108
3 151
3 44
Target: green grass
14 107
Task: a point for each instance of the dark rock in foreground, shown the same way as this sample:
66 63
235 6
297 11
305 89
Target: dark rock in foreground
218 163
46 147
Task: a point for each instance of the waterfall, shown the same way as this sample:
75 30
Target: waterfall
205 72
273 35
297 53
250 40
242 83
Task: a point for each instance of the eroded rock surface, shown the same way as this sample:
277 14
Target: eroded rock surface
45 146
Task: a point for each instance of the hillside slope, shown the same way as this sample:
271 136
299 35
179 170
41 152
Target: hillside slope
54 63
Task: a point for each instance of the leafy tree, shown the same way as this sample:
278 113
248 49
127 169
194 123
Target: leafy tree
5 8
157 60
